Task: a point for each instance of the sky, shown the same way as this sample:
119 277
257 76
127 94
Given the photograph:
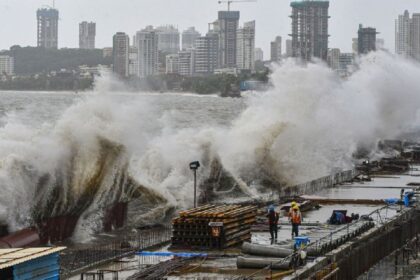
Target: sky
18 18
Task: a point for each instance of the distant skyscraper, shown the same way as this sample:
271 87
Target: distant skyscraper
259 54
403 44
168 39
87 33
206 54
415 36
227 23
310 29
188 38
121 48
7 65
407 35
245 53
275 49
147 44
289 48
186 62
333 58
366 39
47 28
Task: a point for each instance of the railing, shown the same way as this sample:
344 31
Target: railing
319 184
379 216
76 260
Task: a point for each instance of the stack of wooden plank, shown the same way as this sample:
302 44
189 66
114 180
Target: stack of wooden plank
199 227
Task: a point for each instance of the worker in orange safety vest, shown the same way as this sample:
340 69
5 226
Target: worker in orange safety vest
296 220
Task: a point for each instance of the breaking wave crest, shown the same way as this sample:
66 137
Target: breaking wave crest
102 151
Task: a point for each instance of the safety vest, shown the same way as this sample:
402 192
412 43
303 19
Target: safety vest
296 217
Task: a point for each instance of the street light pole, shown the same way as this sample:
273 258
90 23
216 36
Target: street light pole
194 166
195 188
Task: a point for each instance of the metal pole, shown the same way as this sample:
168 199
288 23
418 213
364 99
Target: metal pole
195 188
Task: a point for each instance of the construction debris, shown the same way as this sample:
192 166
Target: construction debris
212 226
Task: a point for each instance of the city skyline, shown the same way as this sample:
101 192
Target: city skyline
272 19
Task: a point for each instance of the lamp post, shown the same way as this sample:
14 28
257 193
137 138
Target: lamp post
194 166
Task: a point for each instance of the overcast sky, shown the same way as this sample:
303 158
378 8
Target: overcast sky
18 20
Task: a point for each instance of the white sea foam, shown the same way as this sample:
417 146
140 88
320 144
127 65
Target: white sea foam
310 123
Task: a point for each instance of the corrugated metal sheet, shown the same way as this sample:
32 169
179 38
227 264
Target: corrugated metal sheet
12 257
42 268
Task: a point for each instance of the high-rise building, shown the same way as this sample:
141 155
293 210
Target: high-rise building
407 35
206 58
168 39
148 55
289 48
188 38
259 54
186 62
245 53
172 63
227 23
275 49
7 65
333 58
366 39
403 44
310 29
415 36
47 28
120 54
133 62
87 33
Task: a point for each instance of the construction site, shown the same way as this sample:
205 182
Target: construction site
378 201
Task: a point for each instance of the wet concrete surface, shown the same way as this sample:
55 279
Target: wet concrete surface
382 187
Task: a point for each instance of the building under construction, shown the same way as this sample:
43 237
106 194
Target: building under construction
310 29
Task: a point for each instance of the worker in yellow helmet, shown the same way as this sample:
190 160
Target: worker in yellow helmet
296 219
293 204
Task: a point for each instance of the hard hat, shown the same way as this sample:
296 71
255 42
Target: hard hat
271 208
295 207
293 203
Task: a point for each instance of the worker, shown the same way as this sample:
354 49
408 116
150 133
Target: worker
296 220
293 204
273 220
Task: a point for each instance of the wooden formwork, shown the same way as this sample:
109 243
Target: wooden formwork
196 227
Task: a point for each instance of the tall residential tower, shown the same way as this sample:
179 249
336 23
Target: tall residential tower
47 28
245 52
227 23
120 54
310 29
275 49
87 33
148 55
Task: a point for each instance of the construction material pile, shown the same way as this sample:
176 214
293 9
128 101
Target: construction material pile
212 226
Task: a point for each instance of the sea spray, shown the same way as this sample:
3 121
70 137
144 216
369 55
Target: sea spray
102 150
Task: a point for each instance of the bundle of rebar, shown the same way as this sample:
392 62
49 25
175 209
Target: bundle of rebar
212 226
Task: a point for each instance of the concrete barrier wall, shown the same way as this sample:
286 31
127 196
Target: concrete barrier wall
318 184
365 254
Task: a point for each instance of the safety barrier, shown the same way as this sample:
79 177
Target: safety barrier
318 184
76 260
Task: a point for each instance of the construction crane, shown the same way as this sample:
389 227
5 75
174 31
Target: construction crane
234 1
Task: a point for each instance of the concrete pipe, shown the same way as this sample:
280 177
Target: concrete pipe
254 262
264 250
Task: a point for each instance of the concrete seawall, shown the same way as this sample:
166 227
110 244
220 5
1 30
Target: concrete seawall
317 185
